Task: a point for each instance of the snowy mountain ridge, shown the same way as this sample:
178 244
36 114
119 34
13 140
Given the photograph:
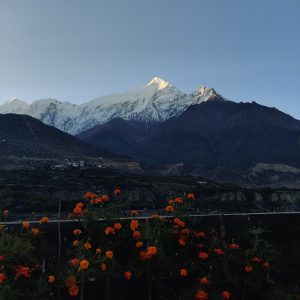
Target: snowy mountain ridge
155 102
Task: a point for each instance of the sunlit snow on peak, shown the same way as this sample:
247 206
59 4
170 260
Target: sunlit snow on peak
11 99
159 83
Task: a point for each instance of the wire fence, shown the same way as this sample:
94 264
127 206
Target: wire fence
283 213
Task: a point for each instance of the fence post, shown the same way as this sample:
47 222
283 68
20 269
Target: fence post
59 244
59 232
222 229
107 286
149 290
44 266
82 289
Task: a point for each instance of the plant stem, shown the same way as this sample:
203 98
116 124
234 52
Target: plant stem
59 244
82 289
107 286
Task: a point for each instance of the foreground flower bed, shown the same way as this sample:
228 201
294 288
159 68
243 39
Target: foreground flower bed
158 257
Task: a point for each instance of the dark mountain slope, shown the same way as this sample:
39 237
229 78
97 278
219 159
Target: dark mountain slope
225 132
118 135
24 136
210 134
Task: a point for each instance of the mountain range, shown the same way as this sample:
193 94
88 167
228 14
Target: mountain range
155 102
157 124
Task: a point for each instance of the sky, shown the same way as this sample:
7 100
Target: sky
77 50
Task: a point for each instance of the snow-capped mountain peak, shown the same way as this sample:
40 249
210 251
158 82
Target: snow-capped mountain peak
11 99
204 90
158 83
13 105
155 102
203 94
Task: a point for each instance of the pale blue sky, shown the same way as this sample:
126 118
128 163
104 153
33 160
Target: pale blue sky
77 50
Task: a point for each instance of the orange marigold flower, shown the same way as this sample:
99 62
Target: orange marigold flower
152 250
139 244
86 195
118 226
117 192
89 195
234 246
170 202
183 272
70 216
169 208
178 200
134 213
105 198
77 231
74 262
127 275
109 230
190 196
178 222
143 255
98 200
84 264
203 281
256 259
200 245
109 254
103 267
201 295
134 224
265 264
137 235
248 269
44 220
203 255
2 278
2 257
5 212
98 250
77 211
80 204
219 251
26 224
87 246
23 271
185 231
225 295
75 243
181 242
51 278
70 281
35 232
73 291
154 216
200 234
